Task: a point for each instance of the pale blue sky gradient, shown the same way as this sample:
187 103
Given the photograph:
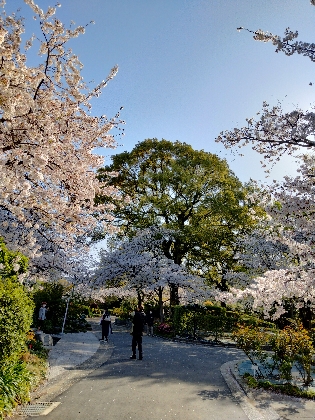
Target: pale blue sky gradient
185 73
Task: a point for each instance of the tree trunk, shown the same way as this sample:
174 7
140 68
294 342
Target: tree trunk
161 313
139 299
174 299
306 315
177 258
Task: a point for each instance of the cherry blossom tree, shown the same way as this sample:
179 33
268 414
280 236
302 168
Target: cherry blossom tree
279 258
257 253
139 264
47 141
276 132
291 207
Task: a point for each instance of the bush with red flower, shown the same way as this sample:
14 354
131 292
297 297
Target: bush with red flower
165 329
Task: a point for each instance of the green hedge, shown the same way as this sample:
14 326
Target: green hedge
16 311
196 321
16 308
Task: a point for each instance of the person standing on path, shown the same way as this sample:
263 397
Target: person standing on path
137 332
150 320
42 315
106 324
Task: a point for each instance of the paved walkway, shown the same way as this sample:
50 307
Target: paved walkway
175 380
72 350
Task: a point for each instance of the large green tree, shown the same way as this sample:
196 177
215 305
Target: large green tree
192 192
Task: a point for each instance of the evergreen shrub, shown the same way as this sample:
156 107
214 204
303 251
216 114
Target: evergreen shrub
16 311
194 321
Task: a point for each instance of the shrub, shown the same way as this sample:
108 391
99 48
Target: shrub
19 369
16 310
293 346
287 389
252 340
15 382
165 329
15 306
288 347
126 307
56 295
197 321
119 312
52 293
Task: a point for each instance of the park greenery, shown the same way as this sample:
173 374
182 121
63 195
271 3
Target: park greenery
212 257
191 193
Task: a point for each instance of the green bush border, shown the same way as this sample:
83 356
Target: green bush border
287 389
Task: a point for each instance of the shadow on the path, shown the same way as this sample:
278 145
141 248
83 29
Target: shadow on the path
165 362
172 365
214 395
172 378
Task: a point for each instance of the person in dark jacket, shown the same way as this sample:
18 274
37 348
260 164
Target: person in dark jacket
137 331
106 325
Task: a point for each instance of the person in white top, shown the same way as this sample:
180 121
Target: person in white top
106 324
42 315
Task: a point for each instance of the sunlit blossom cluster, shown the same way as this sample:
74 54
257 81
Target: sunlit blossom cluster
47 139
139 264
280 262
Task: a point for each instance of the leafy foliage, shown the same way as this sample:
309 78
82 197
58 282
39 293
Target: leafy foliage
197 322
290 347
56 295
192 193
15 382
16 309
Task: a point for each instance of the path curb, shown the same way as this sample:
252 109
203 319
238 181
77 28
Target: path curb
51 388
233 380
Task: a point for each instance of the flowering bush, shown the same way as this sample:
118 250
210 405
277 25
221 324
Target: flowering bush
293 346
252 340
289 347
165 328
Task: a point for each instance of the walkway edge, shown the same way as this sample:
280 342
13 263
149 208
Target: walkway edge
62 382
230 374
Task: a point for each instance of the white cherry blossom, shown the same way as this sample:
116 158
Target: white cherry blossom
48 137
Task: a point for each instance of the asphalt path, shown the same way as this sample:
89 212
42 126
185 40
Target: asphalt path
173 381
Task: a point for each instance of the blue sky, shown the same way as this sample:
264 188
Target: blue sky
185 73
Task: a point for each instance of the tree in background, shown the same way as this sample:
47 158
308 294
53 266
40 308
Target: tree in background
139 264
48 138
192 193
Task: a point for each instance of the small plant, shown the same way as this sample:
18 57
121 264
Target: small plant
165 329
293 346
287 389
36 346
15 382
252 340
